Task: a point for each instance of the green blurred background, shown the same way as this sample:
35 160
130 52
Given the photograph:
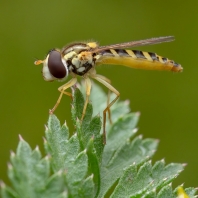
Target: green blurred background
167 101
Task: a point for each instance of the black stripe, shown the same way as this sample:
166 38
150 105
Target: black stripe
122 52
139 54
176 64
153 56
164 59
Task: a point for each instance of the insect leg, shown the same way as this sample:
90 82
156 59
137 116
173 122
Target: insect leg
108 96
104 78
66 93
88 90
108 101
111 88
62 90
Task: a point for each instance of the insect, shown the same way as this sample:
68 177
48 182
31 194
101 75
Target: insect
81 59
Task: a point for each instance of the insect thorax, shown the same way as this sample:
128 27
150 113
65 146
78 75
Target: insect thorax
78 58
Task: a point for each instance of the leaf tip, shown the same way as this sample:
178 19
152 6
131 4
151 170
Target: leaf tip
59 173
150 161
138 113
46 128
153 151
2 184
148 157
64 194
163 160
154 190
176 175
12 154
127 102
184 164
65 123
47 157
85 151
135 130
37 148
157 141
10 166
20 138
44 140
75 135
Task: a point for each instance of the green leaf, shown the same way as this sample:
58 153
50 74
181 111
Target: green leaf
191 192
166 191
163 175
90 126
81 166
87 189
185 193
146 180
89 136
59 146
67 156
77 182
118 157
30 174
55 187
7 192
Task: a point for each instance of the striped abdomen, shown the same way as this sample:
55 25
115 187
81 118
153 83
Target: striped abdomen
137 59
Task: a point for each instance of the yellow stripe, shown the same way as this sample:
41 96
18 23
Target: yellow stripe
114 52
131 53
148 57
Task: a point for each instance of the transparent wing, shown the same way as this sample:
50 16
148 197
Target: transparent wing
150 41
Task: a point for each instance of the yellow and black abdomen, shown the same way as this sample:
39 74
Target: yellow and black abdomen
137 59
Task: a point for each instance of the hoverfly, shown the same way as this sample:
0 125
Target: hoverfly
82 58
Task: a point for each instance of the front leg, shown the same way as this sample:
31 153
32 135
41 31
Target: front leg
62 90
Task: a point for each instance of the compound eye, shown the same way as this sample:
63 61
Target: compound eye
55 65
